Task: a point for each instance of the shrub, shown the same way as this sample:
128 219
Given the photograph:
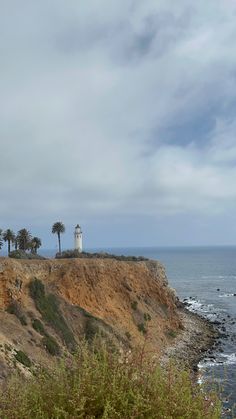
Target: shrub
38 326
85 312
14 308
91 329
147 317
142 328
68 254
171 333
37 290
7 347
134 305
21 254
51 345
48 341
48 306
101 255
98 384
21 357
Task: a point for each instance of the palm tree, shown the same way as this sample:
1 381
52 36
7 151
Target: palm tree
35 244
58 228
23 239
15 243
1 241
9 237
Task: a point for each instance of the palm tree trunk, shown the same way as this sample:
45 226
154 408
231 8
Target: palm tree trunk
9 246
59 242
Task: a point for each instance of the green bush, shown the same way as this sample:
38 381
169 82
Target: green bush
67 254
48 306
147 317
48 341
38 326
134 305
7 347
171 333
14 308
51 345
142 328
21 357
98 384
91 329
21 254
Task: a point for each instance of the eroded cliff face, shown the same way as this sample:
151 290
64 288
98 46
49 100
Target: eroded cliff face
128 302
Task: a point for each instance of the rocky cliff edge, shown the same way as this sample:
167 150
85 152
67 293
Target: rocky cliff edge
48 306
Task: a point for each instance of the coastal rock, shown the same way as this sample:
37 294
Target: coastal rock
129 302
198 337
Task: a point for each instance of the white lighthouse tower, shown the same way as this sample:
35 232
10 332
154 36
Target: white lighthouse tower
78 238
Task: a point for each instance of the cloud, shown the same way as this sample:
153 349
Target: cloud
117 108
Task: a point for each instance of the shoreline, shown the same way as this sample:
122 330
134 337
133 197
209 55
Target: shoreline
198 338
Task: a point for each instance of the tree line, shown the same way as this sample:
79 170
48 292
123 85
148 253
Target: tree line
24 241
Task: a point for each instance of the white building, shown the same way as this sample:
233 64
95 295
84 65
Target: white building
78 238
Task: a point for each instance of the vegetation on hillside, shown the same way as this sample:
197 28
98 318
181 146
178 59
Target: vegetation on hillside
67 254
21 254
21 357
97 383
15 308
48 306
48 341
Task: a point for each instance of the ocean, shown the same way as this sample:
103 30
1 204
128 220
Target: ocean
205 277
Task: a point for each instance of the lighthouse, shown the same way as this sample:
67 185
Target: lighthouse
78 238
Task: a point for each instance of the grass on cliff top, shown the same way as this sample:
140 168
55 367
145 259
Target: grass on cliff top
48 306
69 254
98 384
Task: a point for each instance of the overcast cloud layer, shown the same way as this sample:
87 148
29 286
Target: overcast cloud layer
119 114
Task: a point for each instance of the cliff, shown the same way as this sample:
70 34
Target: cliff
48 306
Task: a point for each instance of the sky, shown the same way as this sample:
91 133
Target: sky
119 115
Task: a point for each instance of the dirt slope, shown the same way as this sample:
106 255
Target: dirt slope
129 302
